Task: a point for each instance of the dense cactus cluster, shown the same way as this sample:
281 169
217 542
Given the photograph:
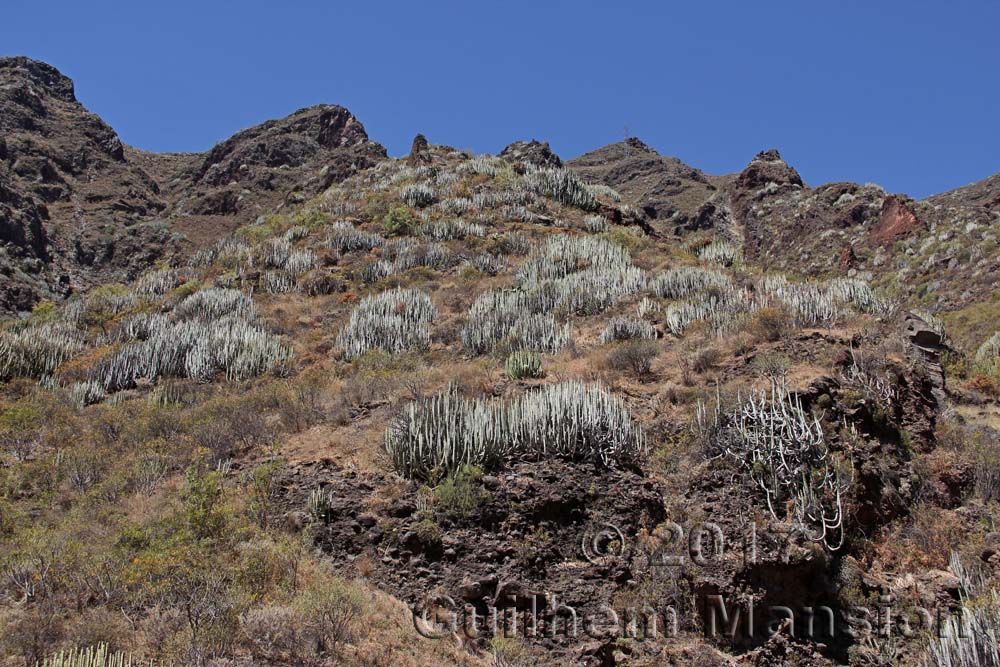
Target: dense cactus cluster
215 330
990 349
572 420
601 190
35 351
450 230
345 237
92 656
455 205
783 448
819 303
647 308
515 319
489 263
156 283
560 184
595 224
722 309
627 328
487 165
721 252
685 281
579 274
393 321
417 195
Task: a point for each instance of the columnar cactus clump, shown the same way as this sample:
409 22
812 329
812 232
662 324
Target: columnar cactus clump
35 351
345 237
721 252
450 230
211 331
627 328
821 303
571 420
562 185
513 317
393 321
784 450
683 282
418 195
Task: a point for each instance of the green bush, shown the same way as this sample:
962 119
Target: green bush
399 221
461 493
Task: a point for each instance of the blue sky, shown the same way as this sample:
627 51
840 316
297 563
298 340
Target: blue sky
900 93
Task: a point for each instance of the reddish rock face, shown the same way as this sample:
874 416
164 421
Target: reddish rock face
895 222
847 258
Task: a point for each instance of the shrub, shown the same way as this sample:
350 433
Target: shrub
771 324
21 428
461 493
706 359
524 364
571 420
635 357
399 221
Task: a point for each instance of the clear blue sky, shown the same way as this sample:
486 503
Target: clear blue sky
901 93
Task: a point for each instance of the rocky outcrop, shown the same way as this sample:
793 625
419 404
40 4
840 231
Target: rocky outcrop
896 221
420 152
79 208
531 152
670 193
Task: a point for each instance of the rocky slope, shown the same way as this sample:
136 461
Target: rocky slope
79 208
486 385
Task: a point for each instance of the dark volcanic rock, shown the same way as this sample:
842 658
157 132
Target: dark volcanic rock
532 152
670 192
78 207
420 152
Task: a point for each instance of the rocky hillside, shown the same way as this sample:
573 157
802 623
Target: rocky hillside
496 411
78 208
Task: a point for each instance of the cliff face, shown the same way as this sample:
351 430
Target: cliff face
78 207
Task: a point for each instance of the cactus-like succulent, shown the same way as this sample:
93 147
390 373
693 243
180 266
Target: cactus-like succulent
721 252
418 195
571 420
595 224
345 237
524 364
626 328
92 656
214 330
35 351
562 185
449 230
683 282
601 190
783 449
392 321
